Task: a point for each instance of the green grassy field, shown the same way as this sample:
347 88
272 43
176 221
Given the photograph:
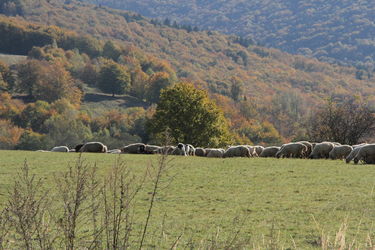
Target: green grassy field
279 201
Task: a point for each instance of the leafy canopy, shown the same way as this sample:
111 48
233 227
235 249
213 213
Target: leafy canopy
113 78
189 116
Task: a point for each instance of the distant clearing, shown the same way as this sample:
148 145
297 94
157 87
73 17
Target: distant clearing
279 199
97 103
11 59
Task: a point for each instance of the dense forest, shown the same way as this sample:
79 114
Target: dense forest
266 95
72 88
334 31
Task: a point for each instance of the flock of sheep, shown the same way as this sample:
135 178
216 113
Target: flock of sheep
303 149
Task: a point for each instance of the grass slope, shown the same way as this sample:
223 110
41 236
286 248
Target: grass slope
276 199
11 59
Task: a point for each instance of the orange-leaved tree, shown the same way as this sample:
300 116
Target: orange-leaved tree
47 81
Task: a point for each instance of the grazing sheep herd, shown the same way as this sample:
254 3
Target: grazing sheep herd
303 149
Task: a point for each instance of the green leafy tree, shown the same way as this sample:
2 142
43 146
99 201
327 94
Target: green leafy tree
31 141
66 127
111 51
236 88
157 82
7 79
189 116
3 84
114 78
34 116
89 74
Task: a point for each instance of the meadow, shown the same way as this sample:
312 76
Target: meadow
263 203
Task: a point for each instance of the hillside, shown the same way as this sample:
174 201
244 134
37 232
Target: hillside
340 31
206 56
258 89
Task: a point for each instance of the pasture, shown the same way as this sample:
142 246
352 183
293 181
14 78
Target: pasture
276 203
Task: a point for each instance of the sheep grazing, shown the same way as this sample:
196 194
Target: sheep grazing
94 147
340 152
114 151
164 150
200 152
135 148
252 150
237 151
60 149
352 154
309 148
179 150
359 145
258 149
150 149
190 150
321 150
78 148
269 151
366 154
214 152
295 150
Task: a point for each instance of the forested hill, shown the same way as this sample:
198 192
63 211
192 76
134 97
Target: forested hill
330 30
209 57
252 84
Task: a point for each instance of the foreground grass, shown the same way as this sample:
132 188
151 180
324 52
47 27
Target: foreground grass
286 203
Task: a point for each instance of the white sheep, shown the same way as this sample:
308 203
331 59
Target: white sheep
200 152
215 152
366 154
237 151
60 149
321 150
258 149
340 152
180 150
295 150
269 151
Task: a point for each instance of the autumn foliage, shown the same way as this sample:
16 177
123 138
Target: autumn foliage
74 88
